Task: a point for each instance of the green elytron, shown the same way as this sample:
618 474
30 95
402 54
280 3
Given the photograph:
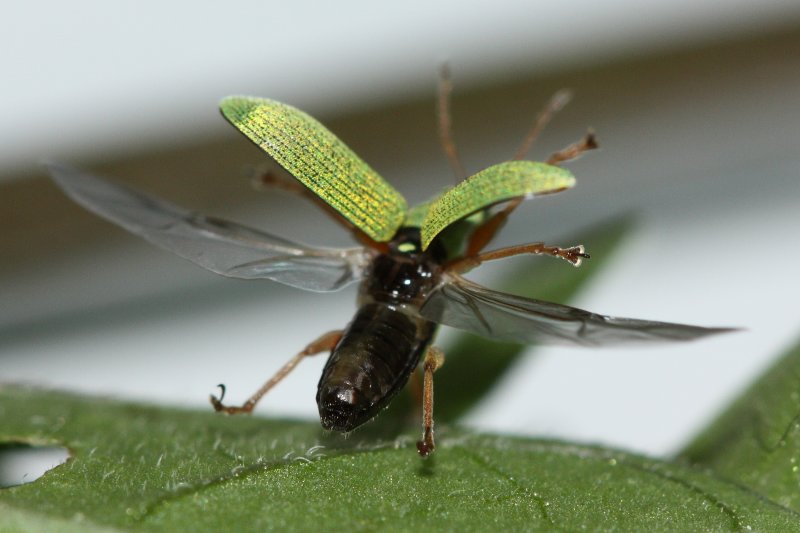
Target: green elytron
324 164
409 266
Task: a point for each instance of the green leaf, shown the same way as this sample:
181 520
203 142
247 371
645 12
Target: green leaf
474 364
320 161
756 442
15 520
490 186
144 468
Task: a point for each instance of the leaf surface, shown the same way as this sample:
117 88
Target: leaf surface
143 468
756 441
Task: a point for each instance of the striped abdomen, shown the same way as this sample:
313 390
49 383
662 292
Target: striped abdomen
372 362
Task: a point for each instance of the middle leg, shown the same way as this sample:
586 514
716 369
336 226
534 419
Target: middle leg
434 359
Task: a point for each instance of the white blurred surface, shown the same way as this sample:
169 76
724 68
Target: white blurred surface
90 76
708 162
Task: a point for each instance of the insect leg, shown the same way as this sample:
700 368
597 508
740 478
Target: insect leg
574 150
271 176
324 343
553 106
574 255
486 232
489 229
445 123
434 358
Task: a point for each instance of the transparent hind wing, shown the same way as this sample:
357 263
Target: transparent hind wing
220 246
465 305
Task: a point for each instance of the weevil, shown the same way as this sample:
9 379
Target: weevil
410 264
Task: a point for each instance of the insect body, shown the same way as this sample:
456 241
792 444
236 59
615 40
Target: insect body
409 267
384 342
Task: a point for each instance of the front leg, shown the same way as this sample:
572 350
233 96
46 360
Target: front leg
574 255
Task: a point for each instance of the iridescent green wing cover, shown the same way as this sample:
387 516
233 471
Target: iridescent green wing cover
495 184
321 162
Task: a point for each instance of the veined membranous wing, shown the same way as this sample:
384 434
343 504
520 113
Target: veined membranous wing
220 246
462 304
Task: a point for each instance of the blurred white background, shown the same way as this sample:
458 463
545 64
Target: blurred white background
696 106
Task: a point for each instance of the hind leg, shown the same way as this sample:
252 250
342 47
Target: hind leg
325 343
